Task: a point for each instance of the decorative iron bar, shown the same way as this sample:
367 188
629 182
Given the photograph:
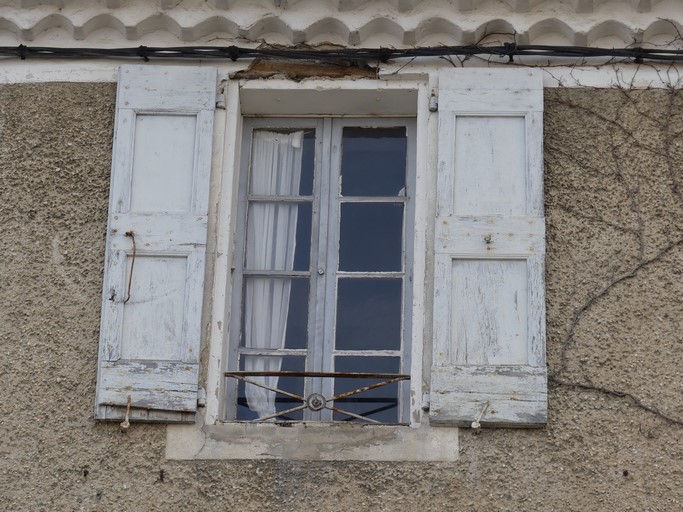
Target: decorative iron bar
315 401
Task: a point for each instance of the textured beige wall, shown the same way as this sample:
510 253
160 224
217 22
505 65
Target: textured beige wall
614 196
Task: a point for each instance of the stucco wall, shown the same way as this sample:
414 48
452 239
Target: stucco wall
614 202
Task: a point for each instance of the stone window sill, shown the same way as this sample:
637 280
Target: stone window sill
311 441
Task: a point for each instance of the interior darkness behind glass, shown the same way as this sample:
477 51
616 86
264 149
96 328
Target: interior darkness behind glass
373 161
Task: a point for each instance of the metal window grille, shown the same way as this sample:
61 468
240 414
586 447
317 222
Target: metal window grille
315 401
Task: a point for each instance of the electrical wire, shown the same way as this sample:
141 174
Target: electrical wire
234 53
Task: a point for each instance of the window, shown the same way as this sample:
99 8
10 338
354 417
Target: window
454 248
322 278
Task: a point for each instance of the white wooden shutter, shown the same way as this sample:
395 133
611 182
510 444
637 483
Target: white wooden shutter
149 340
489 310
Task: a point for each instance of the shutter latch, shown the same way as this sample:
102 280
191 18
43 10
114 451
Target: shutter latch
220 101
425 402
475 423
201 397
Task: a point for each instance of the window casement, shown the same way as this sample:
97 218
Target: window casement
322 277
470 269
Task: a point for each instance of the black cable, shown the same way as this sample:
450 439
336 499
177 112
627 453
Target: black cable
507 50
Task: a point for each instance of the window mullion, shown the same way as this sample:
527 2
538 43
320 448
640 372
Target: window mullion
332 157
316 329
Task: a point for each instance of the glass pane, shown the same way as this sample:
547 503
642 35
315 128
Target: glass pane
278 236
307 164
371 237
275 313
380 404
282 162
373 161
261 402
368 314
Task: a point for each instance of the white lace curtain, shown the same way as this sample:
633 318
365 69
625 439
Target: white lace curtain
271 242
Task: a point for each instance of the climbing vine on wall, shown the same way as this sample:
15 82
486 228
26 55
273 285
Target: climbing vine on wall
614 204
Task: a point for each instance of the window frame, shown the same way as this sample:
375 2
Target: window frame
367 98
326 200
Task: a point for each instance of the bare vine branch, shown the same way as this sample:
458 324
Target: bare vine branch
569 336
619 394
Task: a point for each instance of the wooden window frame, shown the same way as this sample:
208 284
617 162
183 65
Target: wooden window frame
313 98
326 202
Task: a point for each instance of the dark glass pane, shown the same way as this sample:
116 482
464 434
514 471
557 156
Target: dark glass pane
373 161
271 305
278 236
371 237
307 164
368 314
380 404
267 177
247 409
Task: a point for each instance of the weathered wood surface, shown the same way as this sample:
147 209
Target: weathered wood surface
154 271
489 304
516 396
166 386
489 235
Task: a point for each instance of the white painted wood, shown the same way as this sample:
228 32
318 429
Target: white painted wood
162 161
489 309
155 233
508 396
445 310
490 166
152 299
534 161
157 292
325 97
490 236
490 90
536 319
166 88
142 380
227 134
425 165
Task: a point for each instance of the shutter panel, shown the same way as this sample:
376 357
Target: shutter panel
153 280
489 309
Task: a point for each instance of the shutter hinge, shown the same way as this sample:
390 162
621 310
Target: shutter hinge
201 397
433 102
220 101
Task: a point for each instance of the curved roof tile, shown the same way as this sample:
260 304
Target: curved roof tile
398 23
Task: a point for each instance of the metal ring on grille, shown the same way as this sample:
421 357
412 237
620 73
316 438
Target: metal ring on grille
316 402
